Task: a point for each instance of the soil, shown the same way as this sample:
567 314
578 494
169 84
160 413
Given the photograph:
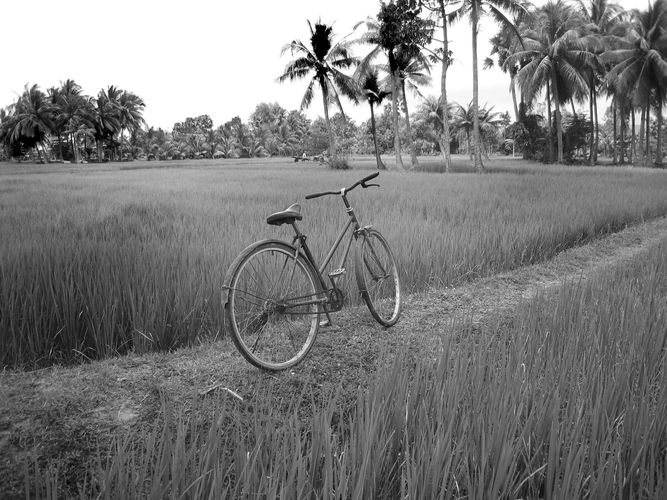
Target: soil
61 416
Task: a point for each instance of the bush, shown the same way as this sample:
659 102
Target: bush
576 136
338 163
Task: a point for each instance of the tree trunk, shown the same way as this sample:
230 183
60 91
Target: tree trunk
332 140
658 151
120 146
648 132
513 91
378 160
591 157
411 143
394 114
549 125
559 132
443 87
60 145
633 146
622 136
642 120
479 166
615 143
597 126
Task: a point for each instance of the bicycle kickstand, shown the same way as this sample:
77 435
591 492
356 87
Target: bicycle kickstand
326 322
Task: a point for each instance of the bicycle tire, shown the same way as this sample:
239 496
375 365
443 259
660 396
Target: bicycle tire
377 278
260 283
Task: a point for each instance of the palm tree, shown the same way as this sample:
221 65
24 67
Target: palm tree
413 70
600 17
103 117
503 44
130 108
374 93
558 60
443 54
431 110
69 107
324 59
398 27
31 121
639 62
463 122
474 10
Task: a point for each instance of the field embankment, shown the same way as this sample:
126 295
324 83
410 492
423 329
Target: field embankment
97 261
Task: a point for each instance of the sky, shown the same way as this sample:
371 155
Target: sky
215 57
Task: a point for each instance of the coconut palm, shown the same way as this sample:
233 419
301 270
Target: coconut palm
558 60
639 62
498 10
69 107
413 71
444 56
371 89
130 108
600 16
398 28
102 116
463 123
324 60
503 44
31 121
430 110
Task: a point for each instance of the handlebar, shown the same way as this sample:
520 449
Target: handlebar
362 183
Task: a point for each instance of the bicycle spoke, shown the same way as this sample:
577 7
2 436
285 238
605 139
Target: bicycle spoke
275 307
378 279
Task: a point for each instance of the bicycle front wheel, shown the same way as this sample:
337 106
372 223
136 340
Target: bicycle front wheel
273 305
377 278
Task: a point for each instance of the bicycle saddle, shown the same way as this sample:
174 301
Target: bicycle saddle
287 216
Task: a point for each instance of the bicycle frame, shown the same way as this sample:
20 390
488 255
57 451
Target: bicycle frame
299 241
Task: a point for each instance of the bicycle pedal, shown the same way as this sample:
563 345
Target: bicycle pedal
336 272
325 323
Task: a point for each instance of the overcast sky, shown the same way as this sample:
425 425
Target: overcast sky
186 58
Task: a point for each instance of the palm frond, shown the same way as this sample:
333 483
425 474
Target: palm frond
307 96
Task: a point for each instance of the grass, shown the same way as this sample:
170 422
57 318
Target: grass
566 401
101 260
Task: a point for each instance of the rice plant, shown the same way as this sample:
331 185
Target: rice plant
568 401
98 261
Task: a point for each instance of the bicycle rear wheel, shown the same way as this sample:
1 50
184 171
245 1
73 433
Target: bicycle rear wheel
377 278
273 305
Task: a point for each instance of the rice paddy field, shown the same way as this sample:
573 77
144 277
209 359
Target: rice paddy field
100 260
567 401
564 398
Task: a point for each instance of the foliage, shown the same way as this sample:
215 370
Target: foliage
530 135
639 61
323 60
575 136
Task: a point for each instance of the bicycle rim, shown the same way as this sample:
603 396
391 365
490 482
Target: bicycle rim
272 325
377 278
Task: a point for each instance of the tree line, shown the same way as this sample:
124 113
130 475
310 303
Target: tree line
564 53
65 125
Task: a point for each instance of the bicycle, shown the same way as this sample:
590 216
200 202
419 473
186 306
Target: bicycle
275 294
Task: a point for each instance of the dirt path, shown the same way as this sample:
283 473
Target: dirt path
61 414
